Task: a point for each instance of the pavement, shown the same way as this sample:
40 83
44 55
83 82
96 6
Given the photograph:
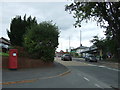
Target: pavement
31 74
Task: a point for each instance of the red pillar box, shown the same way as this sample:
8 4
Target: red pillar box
13 59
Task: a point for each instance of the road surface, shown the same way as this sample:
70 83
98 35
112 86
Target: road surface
81 75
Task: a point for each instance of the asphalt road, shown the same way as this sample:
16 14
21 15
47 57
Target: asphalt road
82 75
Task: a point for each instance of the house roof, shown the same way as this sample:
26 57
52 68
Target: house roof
91 49
4 41
81 47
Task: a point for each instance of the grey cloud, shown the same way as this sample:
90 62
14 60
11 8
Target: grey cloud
49 11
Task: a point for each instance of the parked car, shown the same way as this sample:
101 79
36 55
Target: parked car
66 57
90 58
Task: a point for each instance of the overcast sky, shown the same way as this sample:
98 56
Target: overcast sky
45 11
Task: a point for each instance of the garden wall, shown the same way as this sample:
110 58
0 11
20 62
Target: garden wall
27 63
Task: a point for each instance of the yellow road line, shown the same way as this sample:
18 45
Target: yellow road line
65 73
62 74
24 81
33 80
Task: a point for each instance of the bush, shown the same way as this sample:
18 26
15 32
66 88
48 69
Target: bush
41 41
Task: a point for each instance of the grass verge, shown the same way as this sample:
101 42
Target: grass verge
4 54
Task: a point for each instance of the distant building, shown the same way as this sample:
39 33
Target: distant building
59 54
79 50
93 50
83 51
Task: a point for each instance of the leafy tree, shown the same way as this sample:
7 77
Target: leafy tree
101 12
105 45
18 28
41 41
100 43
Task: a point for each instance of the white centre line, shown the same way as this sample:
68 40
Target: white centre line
98 85
86 78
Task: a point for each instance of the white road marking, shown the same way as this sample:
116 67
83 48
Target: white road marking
91 65
101 66
112 69
86 78
104 67
109 68
98 85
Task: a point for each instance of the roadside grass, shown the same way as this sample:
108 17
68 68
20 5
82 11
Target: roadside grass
4 54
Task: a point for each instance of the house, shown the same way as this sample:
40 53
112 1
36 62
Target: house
4 44
80 49
91 50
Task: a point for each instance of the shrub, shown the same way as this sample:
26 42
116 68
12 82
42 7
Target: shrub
41 41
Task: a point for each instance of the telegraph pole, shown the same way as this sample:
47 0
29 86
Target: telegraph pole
80 37
80 42
69 44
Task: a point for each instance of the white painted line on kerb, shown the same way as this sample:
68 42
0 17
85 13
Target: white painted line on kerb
86 78
98 85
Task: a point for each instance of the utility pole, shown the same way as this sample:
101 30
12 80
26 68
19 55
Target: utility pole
80 42
80 37
69 44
